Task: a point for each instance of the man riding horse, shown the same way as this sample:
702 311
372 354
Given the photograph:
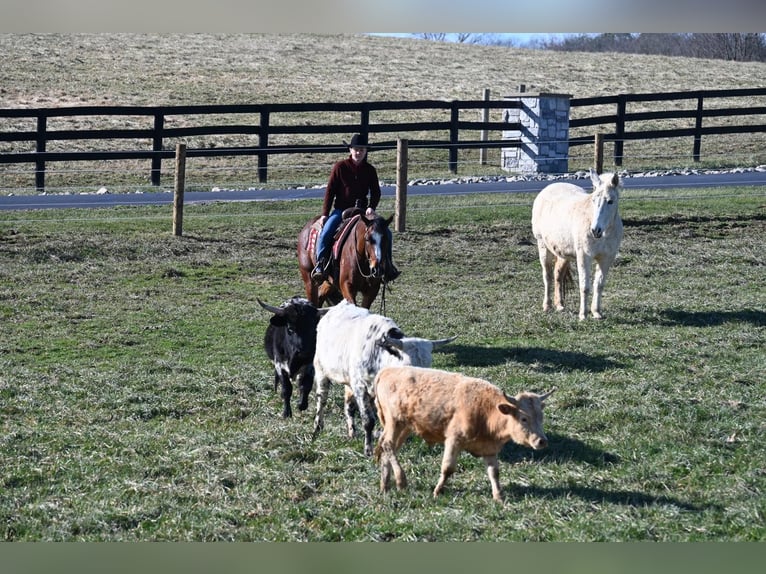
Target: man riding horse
350 181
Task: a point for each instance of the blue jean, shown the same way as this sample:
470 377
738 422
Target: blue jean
331 225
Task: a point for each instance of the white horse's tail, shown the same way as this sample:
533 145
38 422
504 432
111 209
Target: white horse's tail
564 270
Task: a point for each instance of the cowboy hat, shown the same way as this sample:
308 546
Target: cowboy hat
358 141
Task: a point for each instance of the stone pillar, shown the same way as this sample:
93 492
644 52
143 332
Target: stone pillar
544 134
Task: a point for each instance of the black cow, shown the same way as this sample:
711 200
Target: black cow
290 342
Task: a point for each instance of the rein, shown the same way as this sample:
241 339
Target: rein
384 283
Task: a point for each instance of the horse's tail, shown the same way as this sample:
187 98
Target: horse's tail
567 276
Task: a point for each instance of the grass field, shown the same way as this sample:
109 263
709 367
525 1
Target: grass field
55 70
136 402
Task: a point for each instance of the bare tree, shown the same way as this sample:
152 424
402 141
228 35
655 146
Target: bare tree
435 36
460 37
729 46
739 47
466 37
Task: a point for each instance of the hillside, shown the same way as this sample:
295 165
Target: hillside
167 69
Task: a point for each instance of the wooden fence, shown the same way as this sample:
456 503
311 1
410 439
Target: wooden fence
159 134
162 147
622 117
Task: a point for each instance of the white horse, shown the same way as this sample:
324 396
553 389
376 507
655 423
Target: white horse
571 224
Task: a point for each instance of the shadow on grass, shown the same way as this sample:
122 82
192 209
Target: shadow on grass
563 449
713 318
598 495
736 220
547 360
560 449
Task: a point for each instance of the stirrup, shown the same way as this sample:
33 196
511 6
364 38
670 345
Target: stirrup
320 271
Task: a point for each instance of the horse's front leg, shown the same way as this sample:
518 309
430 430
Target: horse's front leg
312 293
346 287
546 262
583 275
599 280
369 296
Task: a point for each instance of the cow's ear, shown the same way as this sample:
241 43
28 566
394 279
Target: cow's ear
278 321
507 409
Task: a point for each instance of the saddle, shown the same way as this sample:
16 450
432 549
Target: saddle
348 218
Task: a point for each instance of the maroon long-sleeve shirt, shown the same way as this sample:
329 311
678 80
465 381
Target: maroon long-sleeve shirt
350 182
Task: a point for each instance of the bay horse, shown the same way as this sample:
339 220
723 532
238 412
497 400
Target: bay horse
572 225
359 266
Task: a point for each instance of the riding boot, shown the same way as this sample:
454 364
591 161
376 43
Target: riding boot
318 274
391 271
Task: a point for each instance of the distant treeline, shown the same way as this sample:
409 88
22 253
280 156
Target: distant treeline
732 46
749 47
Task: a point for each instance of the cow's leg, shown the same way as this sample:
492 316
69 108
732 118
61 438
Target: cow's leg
449 464
286 391
392 438
583 274
305 383
546 262
603 264
493 471
385 469
349 409
400 434
367 412
323 387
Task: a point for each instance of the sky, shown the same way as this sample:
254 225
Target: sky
520 38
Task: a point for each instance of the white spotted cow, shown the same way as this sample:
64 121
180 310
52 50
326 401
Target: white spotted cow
353 344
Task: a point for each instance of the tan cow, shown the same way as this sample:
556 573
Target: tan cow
463 413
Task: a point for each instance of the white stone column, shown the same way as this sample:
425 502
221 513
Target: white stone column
544 134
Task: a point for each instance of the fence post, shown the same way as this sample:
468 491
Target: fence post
263 143
42 126
159 124
400 208
598 151
619 131
364 122
178 195
484 134
698 131
453 136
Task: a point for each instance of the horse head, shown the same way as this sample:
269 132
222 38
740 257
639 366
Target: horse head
375 240
604 199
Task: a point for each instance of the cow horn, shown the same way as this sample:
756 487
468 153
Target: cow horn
548 394
440 342
275 310
393 342
511 399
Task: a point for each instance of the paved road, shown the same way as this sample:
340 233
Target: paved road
753 178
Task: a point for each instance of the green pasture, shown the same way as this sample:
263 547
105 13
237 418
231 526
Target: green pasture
137 403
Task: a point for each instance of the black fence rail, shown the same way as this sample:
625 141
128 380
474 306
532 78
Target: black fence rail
621 118
263 130
613 127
